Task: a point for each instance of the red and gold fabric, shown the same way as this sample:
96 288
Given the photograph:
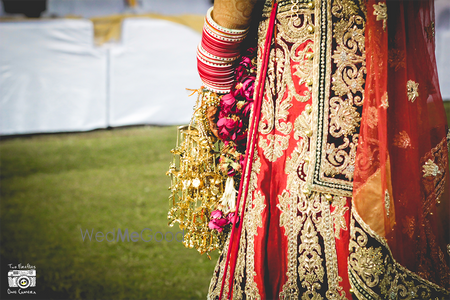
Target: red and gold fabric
347 181
400 224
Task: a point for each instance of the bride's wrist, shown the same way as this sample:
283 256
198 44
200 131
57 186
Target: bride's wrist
229 21
234 14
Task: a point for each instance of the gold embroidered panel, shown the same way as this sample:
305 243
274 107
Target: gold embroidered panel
375 274
337 79
337 94
434 170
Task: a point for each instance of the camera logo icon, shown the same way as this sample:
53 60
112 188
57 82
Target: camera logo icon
22 278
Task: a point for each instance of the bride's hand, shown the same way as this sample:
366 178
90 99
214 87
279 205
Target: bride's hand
233 14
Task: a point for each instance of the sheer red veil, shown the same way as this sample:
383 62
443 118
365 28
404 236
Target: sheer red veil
402 171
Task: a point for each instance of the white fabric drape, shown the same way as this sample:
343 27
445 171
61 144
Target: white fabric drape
442 12
150 71
93 8
52 78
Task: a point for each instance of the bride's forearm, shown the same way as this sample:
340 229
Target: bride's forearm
233 14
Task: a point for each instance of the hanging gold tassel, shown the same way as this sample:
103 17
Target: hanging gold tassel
197 184
228 199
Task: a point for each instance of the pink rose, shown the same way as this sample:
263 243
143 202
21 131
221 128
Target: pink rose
216 214
246 89
228 128
227 103
246 109
218 224
240 72
245 62
233 218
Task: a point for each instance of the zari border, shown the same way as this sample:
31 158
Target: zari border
375 274
323 62
322 81
321 88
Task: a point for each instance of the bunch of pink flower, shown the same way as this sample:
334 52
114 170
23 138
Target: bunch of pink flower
219 220
234 114
232 124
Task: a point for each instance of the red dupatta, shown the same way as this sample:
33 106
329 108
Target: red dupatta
402 173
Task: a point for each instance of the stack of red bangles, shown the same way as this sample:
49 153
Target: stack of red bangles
216 54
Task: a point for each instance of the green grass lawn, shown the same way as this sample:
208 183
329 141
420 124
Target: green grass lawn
447 110
54 185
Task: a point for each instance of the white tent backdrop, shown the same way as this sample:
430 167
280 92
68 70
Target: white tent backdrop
52 78
85 8
150 71
443 45
92 8
175 7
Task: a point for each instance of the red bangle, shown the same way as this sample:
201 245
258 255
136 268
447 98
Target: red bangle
216 54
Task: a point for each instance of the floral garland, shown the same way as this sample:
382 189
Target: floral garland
232 128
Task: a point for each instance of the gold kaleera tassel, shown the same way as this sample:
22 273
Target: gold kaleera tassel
197 184
228 199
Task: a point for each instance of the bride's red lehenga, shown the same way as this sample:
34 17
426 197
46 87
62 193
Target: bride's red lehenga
347 184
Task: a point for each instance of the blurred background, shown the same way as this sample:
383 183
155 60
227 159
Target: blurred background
77 65
91 92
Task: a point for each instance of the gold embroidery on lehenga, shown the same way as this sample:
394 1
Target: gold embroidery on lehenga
347 83
387 203
402 140
290 221
253 221
339 161
380 10
374 273
412 90
310 271
274 146
338 215
325 226
430 169
307 215
344 118
239 273
293 200
338 91
280 81
435 169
